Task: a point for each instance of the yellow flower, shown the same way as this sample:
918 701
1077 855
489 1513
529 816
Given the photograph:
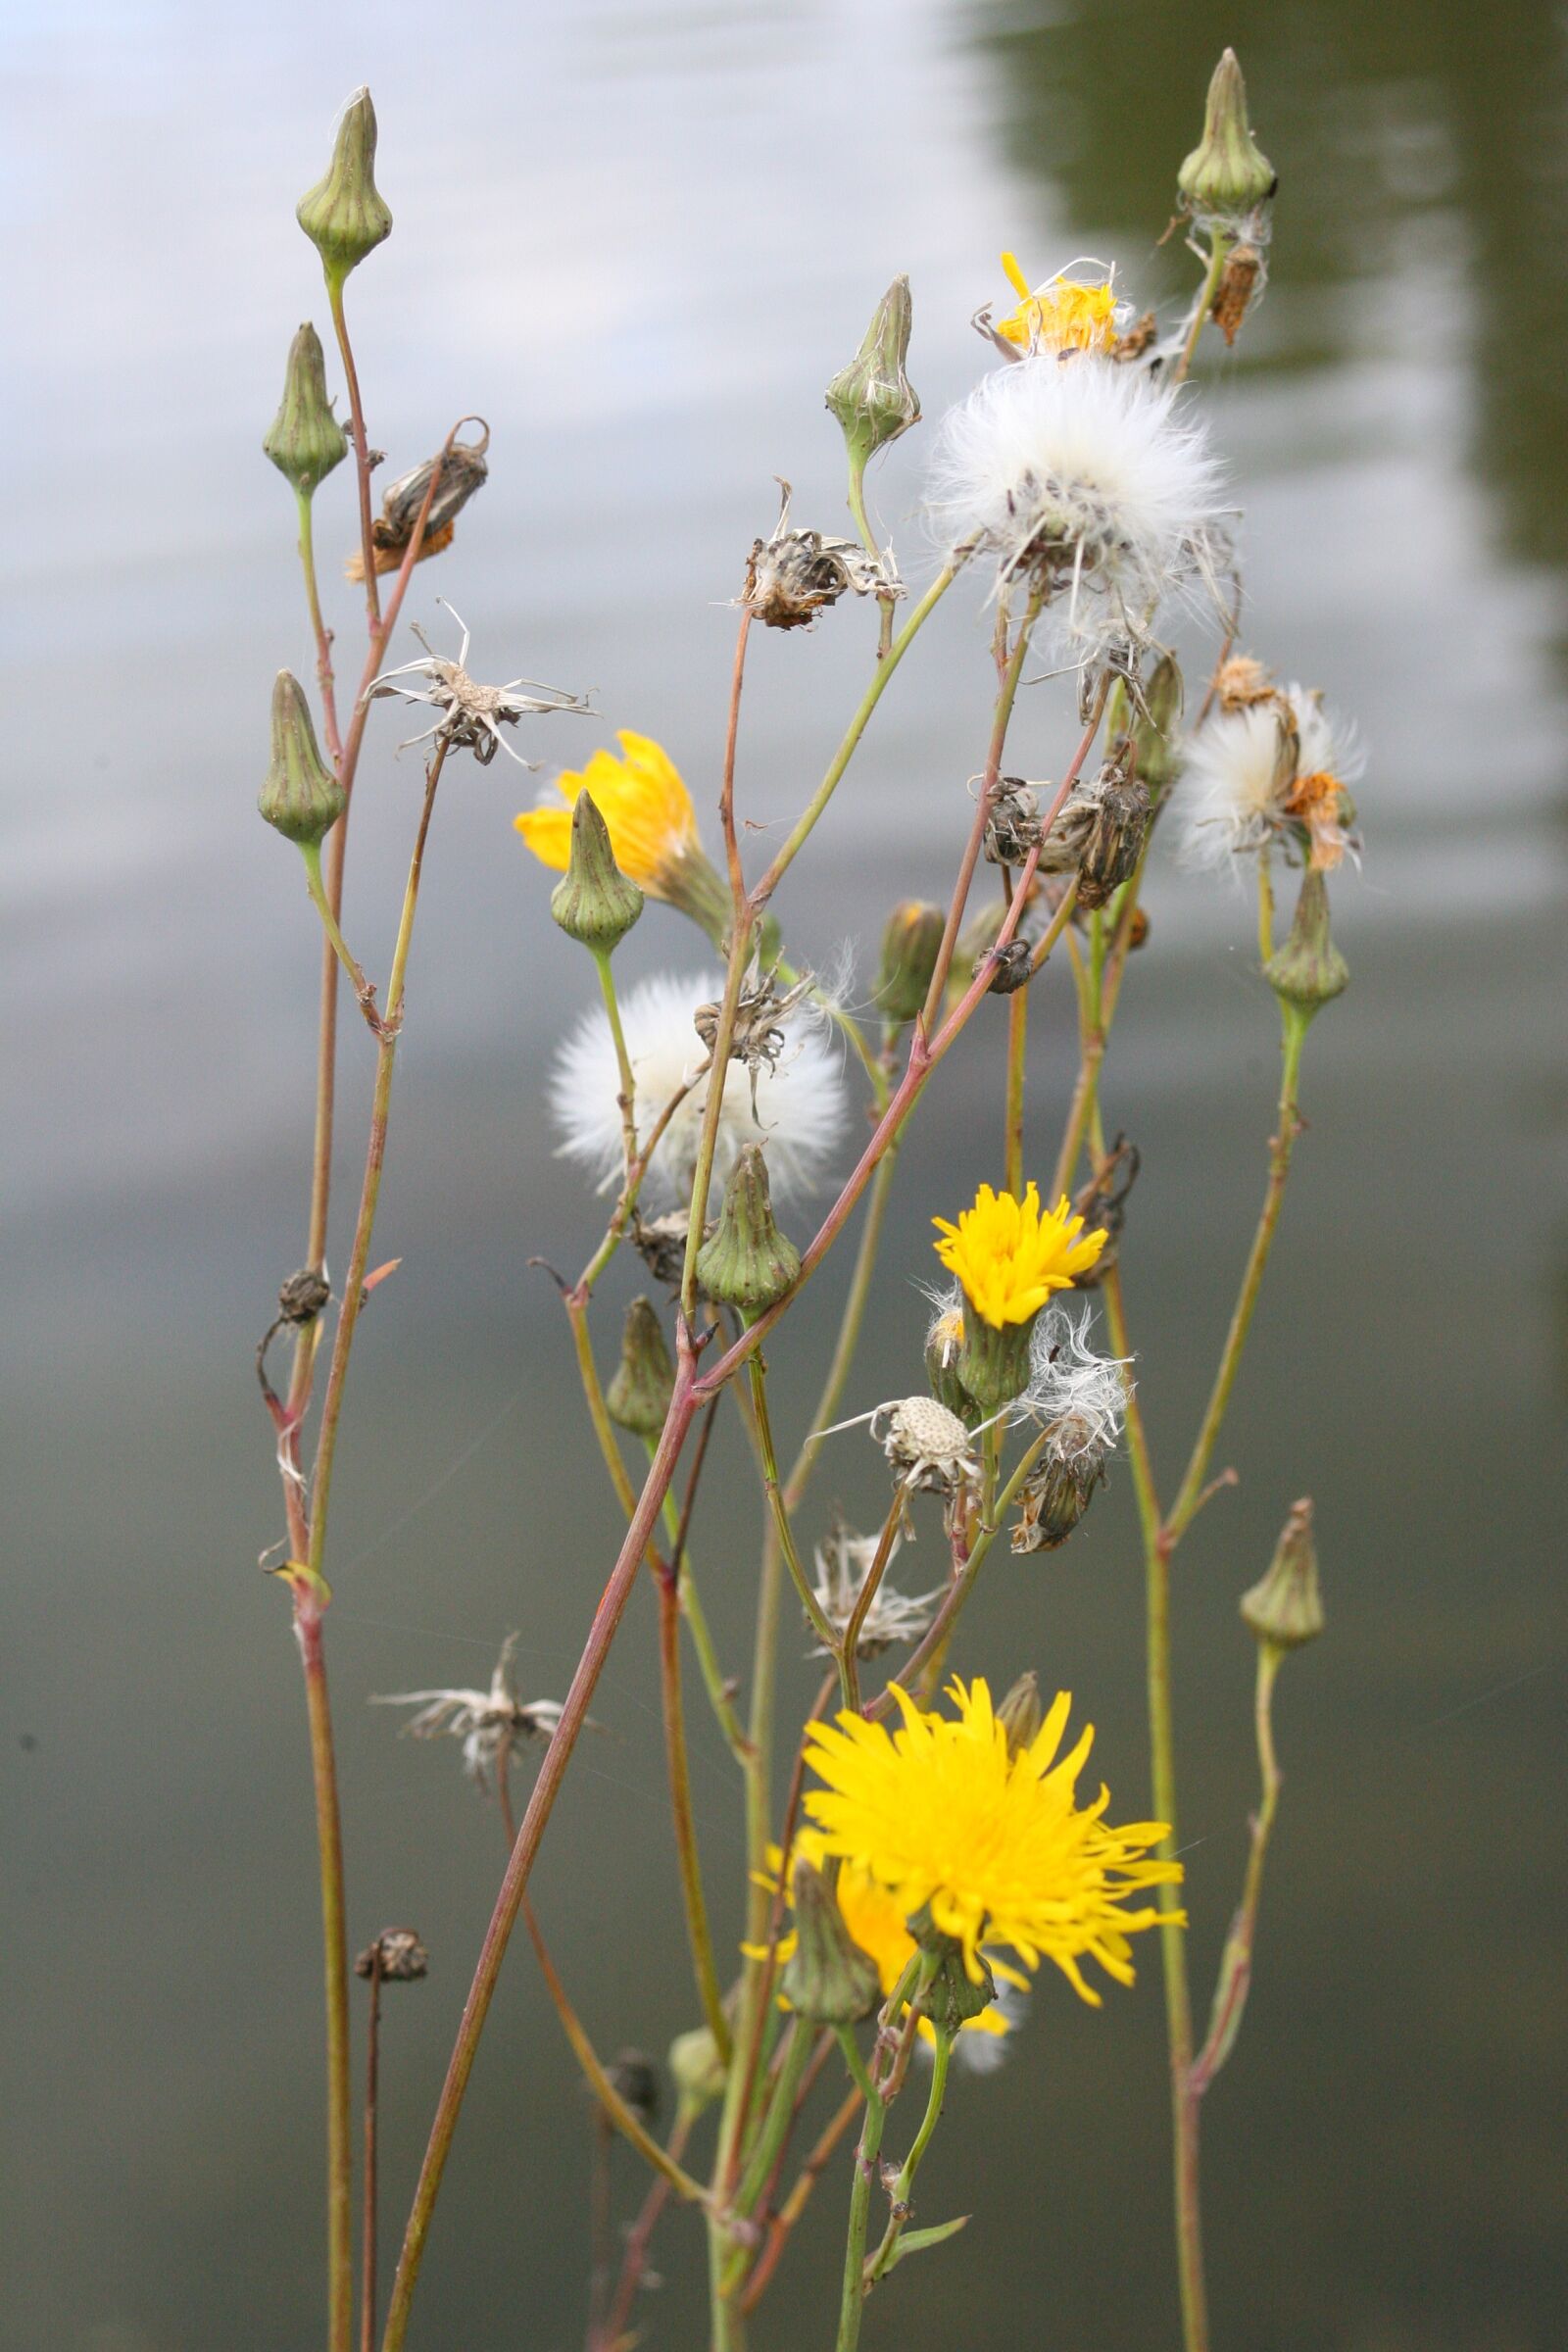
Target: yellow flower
653 827
1009 1257
876 1924
1063 316
942 1813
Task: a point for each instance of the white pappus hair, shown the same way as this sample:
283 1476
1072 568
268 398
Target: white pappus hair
1085 473
1234 781
800 1102
1072 1390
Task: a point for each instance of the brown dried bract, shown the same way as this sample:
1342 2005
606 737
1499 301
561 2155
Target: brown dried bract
463 470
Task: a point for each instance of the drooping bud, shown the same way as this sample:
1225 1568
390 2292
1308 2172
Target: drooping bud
304 440
1020 1713
948 1995
747 1262
1308 970
697 2068
872 397
1284 1606
910 942
1227 173
396 1957
594 901
343 215
301 798
638 1398
827 1978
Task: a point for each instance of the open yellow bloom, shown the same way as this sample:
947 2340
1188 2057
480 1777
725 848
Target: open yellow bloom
1063 316
876 1924
942 1813
1009 1257
653 827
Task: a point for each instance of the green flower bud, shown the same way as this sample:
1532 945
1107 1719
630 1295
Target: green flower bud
301 798
1308 970
948 1995
594 901
827 1978
343 215
697 2068
1284 1606
872 397
304 440
638 1398
1020 1713
910 942
747 1262
1226 175
994 1360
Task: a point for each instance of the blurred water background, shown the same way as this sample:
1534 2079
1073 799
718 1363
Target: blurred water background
639 239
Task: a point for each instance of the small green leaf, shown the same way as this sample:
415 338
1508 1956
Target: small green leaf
913 2241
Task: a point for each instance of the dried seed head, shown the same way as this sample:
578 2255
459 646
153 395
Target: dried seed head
343 215
1057 1494
303 1296
301 798
304 440
1116 836
463 470
793 575
1012 821
1240 283
403 1958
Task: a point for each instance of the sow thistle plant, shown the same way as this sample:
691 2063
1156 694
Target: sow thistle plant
916 1852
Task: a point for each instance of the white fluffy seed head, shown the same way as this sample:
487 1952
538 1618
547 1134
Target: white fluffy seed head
1071 1390
1236 777
1083 472
800 1103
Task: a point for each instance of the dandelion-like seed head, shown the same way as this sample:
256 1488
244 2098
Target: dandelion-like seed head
1072 1390
1009 1256
492 1724
843 1564
1270 765
1084 479
644 801
945 1820
1067 314
799 1094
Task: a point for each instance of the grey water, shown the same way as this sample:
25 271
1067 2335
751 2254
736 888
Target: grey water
638 240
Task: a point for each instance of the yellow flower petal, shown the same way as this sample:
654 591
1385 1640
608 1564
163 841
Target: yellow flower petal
1008 1256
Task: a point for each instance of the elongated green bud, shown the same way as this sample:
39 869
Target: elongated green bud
910 942
1227 173
301 798
1284 1606
697 2068
827 1978
594 901
343 215
1308 970
638 1398
872 398
747 1264
1154 735
304 440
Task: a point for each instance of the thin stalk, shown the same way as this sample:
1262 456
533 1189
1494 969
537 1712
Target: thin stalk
311 851
856 504
335 1971
1217 252
794 2205
848 1647
627 1097
1092 1031
879 2095
691 1603
361 450
924 1666
635 2262
849 1336
681 1800
1266 908
1236 1965
304 501
901 2190
373 2061
633 1185
768 2145
1017 1057
817 1620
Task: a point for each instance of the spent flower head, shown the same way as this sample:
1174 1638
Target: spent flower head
491 1724
843 1564
469 716
1069 313
989 1845
1270 765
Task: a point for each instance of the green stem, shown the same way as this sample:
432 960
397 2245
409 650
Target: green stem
334 1945
878 2095
1236 1965
691 1603
361 450
853 1315
817 1620
768 2145
628 1083
1217 252
311 851
1017 1055
680 1799
304 503
882 2260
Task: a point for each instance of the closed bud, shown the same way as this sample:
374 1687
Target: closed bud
1226 175
343 215
697 2068
1308 970
301 798
638 1398
1285 1608
304 440
943 1344
594 901
827 1978
910 942
1020 1713
747 1262
872 397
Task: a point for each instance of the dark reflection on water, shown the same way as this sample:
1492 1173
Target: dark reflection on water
652 241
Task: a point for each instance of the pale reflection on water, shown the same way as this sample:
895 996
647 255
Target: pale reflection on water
639 240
